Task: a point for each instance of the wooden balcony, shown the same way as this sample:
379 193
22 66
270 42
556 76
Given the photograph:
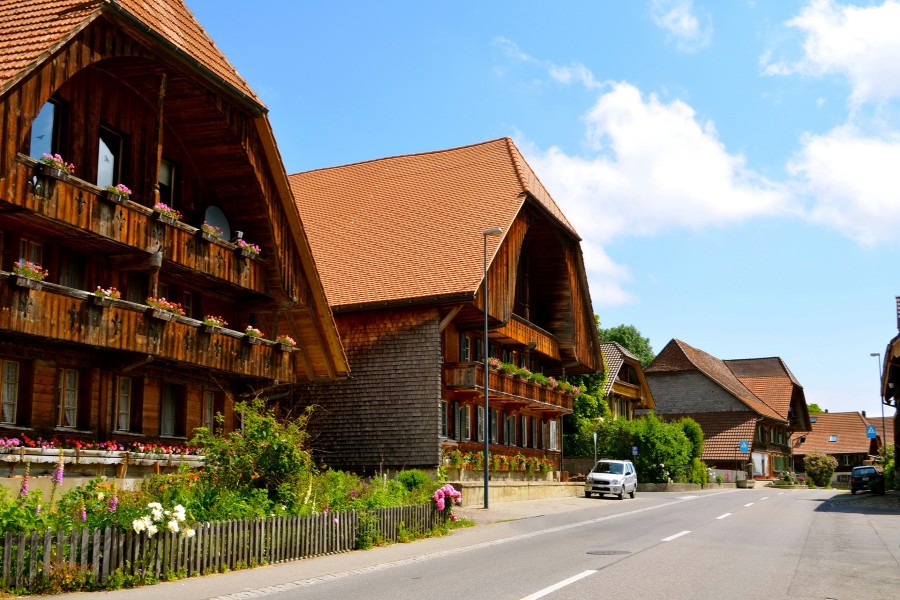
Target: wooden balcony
520 331
63 314
469 377
76 209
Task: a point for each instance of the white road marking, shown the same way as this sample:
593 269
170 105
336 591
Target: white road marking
677 535
748 504
726 515
558 586
765 497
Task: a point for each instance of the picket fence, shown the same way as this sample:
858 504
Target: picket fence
29 557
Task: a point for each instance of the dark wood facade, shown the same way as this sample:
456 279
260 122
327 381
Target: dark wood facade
124 94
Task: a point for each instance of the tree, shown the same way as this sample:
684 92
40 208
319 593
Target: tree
631 339
820 467
814 409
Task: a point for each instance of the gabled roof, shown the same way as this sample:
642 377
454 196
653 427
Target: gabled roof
849 427
614 355
678 356
885 429
409 228
768 379
32 29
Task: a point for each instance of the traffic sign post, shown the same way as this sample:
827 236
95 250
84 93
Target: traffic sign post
871 433
745 446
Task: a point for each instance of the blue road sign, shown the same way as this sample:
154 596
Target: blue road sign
745 446
634 450
870 432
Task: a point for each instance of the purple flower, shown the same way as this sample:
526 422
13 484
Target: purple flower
113 504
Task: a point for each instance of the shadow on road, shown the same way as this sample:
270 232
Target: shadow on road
863 502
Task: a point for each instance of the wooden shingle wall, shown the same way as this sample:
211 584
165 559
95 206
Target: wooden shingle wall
387 414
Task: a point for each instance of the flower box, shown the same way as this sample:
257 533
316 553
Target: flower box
101 300
54 172
209 237
114 197
285 347
158 313
245 253
253 339
210 329
98 457
27 282
168 220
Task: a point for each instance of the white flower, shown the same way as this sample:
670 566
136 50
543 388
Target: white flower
138 525
151 530
99 495
189 532
155 506
172 526
157 514
179 512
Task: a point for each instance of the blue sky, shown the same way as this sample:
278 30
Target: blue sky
732 167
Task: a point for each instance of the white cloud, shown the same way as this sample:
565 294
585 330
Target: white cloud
678 19
653 167
860 43
854 181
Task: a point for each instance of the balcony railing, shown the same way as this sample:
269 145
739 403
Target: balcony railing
59 313
470 377
84 206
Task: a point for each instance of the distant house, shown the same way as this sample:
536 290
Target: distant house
747 408
842 435
401 244
626 387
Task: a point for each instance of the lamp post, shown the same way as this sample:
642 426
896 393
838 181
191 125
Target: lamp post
884 440
486 422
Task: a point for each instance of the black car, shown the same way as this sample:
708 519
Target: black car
867 478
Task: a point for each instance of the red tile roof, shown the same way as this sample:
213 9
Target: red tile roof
723 433
32 29
614 355
849 427
409 228
768 379
888 425
679 356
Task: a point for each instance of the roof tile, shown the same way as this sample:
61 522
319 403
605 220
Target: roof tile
848 427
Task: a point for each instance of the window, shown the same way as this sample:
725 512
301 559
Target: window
71 269
524 430
187 304
464 350
534 432
813 419
137 286
479 423
123 404
463 419
171 412
444 409
167 172
9 390
479 350
46 130
833 438
68 398
31 251
509 431
495 417
553 435
109 158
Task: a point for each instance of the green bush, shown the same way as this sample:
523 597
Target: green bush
820 467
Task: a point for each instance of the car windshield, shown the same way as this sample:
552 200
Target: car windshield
864 471
607 467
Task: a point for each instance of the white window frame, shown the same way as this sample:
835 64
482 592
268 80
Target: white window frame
479 423
10 374
509 430
463 422
68 398
495 425
524 431
167 401
553 429
124 394
444 405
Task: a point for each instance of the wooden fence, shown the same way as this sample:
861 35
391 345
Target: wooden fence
29 557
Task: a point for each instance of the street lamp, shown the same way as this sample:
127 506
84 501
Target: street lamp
486 422
884 440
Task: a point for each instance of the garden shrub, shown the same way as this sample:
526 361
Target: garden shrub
820 467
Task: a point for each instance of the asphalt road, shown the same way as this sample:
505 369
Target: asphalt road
760 543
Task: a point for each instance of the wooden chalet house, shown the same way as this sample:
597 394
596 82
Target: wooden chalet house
890 387
626 387
843 436
135 93
757 401
401 246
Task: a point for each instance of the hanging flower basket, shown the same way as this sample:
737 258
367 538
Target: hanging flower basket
161 314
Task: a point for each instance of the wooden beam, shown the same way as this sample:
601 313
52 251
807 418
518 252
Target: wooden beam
449 318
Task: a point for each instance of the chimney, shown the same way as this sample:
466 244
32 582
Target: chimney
826 411
864 414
